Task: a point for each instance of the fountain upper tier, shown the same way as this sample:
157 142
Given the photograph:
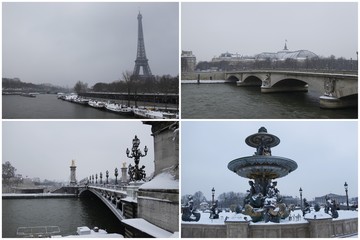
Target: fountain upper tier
262 165
262 138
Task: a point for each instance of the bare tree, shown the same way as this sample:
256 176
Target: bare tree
8 172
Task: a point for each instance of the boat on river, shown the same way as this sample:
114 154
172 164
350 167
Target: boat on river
81 100
96 104
151 114
38 231
119 108
54 232
85 232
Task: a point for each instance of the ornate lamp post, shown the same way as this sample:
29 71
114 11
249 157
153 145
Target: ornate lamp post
100 177
300 190
96 178
347 197
107 177
135 172
92 178
116 174
212 194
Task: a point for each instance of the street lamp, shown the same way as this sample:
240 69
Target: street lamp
300 190
213 194
135 172
347 197
100 177
116 174
107 177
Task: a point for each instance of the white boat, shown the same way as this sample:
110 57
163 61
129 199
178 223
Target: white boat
81 100
168 115
146 113
70 97
114 107
85 232
96 104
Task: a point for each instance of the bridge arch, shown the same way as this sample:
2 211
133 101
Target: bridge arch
252 80
233 78
290 82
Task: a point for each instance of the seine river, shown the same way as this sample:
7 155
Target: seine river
48 106
227 101
66 213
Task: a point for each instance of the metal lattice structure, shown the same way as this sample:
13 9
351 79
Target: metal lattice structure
141 60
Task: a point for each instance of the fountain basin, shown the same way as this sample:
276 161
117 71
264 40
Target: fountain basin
261 166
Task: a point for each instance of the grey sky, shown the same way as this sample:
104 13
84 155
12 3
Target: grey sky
45 148
326 153
209 29
62 43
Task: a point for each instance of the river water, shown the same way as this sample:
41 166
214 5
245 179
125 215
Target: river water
48 106
66 213
227 101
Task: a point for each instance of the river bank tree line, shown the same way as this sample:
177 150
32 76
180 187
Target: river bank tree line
131 84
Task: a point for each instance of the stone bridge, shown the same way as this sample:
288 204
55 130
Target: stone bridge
116 200
339 90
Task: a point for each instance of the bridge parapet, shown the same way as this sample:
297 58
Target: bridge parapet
116 200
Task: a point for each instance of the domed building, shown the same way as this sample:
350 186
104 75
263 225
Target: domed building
299 55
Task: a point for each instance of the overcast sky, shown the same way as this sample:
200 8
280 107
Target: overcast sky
326 153
45 149
209 29
62 43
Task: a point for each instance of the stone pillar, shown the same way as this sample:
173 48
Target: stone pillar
237 229
124 173
166 145
73 173
320 228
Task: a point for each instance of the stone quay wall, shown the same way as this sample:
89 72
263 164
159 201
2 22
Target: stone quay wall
322 228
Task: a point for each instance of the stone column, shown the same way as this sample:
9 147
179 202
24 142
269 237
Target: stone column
124 173
73 173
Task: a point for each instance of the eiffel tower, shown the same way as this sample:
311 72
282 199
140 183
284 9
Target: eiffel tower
141 60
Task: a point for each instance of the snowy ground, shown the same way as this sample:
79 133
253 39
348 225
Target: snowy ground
296 217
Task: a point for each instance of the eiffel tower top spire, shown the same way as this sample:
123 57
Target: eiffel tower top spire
141 60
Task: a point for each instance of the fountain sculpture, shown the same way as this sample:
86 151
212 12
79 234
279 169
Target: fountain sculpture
264 200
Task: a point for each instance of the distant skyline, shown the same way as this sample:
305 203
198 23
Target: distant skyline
45 149
326 153
62 43
325 28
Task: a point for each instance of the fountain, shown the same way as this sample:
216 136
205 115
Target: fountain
263 201
264 215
